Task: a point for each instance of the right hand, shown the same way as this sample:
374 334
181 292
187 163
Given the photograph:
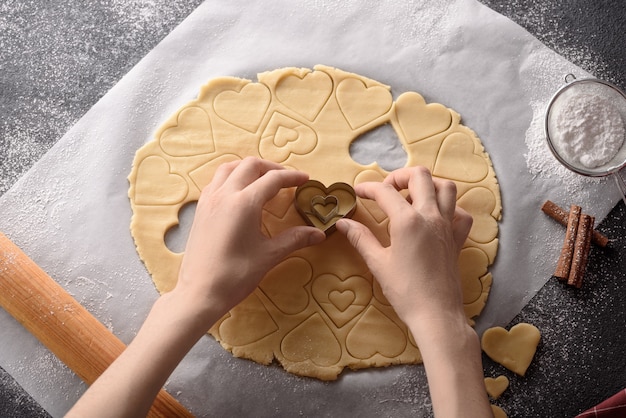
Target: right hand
418 271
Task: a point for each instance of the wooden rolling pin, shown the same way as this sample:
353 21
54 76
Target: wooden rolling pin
62 324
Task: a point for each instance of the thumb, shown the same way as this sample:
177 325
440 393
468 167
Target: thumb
361 238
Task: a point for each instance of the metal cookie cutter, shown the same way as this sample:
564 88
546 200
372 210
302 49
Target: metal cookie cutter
322 206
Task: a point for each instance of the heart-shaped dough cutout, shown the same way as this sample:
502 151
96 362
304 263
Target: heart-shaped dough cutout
513 349
322 206
419 120
361 104
305 95
371 205
284 285
480 203
331 293
375 333
191 136
498 412
285 136
157 185
244 108
312 340
457 160
496 386
473 265
248 322
342 299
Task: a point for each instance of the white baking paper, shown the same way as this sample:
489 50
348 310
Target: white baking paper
71 213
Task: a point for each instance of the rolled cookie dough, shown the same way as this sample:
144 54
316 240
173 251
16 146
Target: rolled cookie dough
320 310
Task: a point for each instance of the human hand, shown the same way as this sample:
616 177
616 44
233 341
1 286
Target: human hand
418 272
227 254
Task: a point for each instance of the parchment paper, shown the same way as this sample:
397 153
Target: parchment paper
71 213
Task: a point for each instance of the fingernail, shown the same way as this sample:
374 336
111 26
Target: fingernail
316 237
342 226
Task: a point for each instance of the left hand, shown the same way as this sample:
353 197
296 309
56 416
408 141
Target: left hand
227 253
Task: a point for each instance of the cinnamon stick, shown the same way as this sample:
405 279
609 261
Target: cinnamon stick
558 214
581 251
567 251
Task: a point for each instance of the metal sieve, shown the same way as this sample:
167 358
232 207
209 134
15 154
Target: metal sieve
614 96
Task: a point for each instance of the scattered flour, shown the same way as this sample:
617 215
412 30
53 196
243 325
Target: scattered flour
57 68
540 84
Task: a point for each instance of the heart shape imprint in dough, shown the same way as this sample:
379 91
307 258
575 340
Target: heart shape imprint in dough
284 285
157 185
284 136
307 95
375 333
496 386
419 120
480 202
244 108
457 160
473 264
247 323
191 136
340 299
322 206
361 104
513 349
372 207
312 341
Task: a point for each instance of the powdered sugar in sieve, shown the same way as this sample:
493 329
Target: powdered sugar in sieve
586 128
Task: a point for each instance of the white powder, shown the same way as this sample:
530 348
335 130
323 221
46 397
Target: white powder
587 129
540 83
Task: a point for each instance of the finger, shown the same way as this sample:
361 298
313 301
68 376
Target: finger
248 171
292 240
362 239
446 197
461 226
221 174
268 186
390 201
419 182
400 178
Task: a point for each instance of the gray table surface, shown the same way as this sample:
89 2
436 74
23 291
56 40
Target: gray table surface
58 58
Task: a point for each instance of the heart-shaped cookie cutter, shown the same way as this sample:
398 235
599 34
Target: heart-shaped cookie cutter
324 201
322 206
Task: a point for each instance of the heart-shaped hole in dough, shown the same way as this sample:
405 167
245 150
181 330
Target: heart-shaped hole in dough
176 237
383 142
